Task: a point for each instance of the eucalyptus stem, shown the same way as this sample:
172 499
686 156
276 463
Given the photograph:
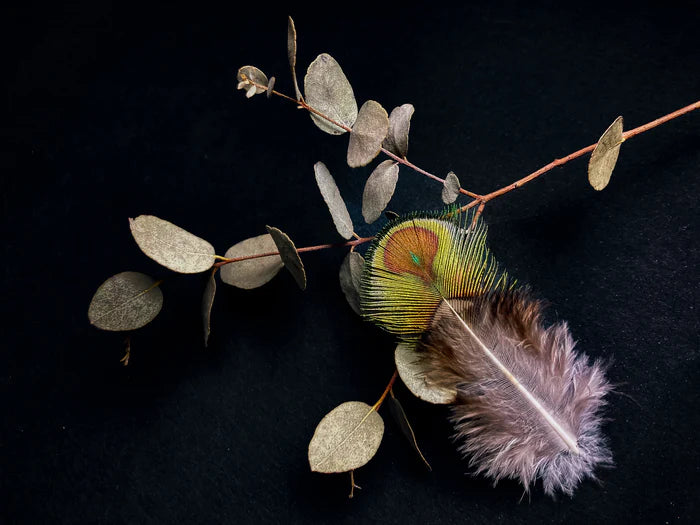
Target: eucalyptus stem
352 244
481 200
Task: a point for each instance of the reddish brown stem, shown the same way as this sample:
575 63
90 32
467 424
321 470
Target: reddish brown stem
354 243
559 162
386 391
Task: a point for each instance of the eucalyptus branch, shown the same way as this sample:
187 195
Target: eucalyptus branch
482 200
352 244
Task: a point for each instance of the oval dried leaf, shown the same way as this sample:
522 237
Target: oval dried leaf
328 91
171 246
251 73
292 54
396 140
379 189
413 375
401 419
207 303
450 189
604 156
346 438
270 87
290 256
367 135
126 301
252 273
335 203
350 279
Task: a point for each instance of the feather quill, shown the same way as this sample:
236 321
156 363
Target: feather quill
528 405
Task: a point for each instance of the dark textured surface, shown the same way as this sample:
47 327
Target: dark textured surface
111 112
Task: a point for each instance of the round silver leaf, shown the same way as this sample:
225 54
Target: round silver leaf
367 135
328 91
379 189
126 301
171 246
346 438
251 273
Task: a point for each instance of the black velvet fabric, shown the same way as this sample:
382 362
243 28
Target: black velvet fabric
111 111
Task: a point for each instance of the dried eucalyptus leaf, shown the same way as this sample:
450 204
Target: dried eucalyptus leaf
413 375
346 438
379 189
290 256
450 189
270 87
252 73
401 419
251 273
335 203
350 278
207 303
171 246
604 156
329 92
292 54
367 135
396 140
126 301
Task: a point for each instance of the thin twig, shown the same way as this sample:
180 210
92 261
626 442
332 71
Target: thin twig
559 162
386 391
354 243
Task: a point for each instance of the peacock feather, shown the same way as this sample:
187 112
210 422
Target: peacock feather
528 404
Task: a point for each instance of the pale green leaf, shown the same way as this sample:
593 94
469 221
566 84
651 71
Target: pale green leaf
379 189
251 273
335 203
412 373
396 140
367 134
207 303
401 419
292 54
450 189
350 279
126 301
604 156
171 246
290 256
247 75
329 92
346 438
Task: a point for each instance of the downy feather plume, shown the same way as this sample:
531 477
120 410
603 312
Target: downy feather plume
528 405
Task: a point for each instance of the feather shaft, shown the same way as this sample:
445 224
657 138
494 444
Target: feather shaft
568 440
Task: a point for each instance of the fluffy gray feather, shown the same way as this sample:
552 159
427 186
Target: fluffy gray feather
540 422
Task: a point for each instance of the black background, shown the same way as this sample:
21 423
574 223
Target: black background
115 111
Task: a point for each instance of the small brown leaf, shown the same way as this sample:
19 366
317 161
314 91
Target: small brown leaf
292 54
401 419
251 74
290 256
171 246
412 374
346 438
367 134
252 273
335 203
329 92
126 301
396 140
450 190
207 303
604 156
379 189
350 279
